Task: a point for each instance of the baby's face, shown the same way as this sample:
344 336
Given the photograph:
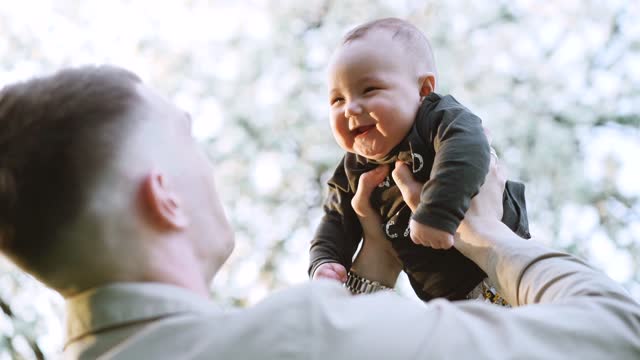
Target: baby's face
374 94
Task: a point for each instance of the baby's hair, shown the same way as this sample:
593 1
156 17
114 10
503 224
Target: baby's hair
411 37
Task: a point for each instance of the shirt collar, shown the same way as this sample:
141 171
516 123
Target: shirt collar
120 304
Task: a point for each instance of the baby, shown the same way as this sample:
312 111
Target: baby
384 111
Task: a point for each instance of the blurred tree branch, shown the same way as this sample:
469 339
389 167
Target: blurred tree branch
33 344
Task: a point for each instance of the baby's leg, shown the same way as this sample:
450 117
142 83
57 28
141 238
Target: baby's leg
515 209
447 273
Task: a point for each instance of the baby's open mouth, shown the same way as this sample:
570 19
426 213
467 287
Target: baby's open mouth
362 129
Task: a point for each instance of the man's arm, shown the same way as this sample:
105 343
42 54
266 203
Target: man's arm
376 259
578 314
572 310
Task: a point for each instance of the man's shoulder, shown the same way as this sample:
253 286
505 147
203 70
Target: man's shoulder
253 332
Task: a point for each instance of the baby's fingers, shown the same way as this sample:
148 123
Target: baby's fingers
333 271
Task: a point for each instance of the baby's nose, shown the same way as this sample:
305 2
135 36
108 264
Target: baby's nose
353 108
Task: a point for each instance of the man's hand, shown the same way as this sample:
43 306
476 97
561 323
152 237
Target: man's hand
409 187
361 200
481 230
420 234
488 202
482 220
426 235
376 260
331 270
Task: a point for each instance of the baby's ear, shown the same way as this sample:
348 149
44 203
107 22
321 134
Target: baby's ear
427 84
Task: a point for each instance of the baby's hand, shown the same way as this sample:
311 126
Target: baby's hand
429 236
331 271
420 234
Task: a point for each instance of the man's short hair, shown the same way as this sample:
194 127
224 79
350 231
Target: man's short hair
56 134
409 35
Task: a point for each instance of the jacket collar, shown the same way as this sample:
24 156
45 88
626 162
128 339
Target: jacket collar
121 304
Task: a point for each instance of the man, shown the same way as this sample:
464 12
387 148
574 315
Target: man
106 198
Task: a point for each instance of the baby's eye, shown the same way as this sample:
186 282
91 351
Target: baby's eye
336 100
369 89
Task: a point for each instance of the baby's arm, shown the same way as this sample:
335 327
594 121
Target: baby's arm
460 165
420 234
377 257
326 257
338 233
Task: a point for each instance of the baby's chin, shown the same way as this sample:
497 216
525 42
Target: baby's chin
369 153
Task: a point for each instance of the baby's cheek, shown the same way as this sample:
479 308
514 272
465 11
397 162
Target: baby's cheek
338 133
345 146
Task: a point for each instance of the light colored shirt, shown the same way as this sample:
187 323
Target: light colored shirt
572 312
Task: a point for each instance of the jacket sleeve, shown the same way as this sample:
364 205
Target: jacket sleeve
339 231
572 312
460 165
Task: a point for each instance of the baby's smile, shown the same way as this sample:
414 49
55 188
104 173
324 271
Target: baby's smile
362 130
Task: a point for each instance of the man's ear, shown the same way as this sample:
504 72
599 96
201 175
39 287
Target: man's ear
161 204
427 84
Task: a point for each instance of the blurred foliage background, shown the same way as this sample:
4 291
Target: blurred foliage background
557 83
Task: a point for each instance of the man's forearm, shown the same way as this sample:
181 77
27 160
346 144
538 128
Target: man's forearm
376 260
581 313
526 272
